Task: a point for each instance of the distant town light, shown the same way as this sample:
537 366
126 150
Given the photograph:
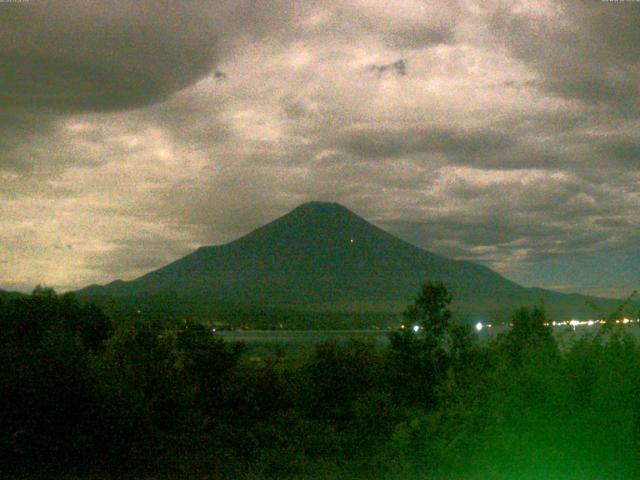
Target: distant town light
416 328
479 326
351 240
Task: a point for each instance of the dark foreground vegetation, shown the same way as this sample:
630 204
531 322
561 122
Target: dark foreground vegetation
82 394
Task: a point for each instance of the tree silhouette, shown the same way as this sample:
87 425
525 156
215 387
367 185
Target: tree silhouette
430 310
421 360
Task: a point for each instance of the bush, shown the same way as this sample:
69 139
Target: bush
78 396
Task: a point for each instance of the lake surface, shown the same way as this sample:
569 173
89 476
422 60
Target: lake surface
302 336
297 341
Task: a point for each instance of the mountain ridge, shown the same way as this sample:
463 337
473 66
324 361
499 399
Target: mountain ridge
324 256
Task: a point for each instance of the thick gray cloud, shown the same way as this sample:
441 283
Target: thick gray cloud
375 143
66 55
583 50
135 132
60 56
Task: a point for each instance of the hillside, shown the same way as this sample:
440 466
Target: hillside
6 295
323 257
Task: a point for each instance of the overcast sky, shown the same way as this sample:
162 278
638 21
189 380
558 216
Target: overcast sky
133 131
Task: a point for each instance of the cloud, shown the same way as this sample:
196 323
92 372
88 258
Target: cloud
399 67
123 258
582 50
96 56
16 131
134 138
374 142
406 24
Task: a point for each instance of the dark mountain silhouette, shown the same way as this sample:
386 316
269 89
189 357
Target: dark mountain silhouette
323 257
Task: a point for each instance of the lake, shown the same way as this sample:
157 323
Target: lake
260 342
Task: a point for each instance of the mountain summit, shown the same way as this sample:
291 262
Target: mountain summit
322 256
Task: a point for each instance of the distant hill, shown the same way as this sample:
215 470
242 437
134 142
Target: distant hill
322 257
5 295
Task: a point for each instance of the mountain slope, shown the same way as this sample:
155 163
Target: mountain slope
323 256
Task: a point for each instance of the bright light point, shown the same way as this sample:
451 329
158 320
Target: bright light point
351 240
590 322
416 328
479 326
574 323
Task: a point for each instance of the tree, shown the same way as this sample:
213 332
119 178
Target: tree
47 344
530 334
430 310
420 361
530 326
207 363
338 375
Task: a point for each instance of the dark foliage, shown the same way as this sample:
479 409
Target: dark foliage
82 395
431 311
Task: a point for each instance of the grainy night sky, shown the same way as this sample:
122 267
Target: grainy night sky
132 132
